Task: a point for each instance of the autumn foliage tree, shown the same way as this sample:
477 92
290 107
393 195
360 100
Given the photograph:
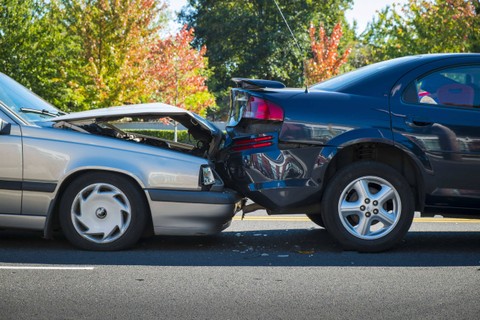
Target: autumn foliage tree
179 72
327 59
115 37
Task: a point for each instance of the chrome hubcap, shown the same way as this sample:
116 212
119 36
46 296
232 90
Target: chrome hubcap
101 213
369 207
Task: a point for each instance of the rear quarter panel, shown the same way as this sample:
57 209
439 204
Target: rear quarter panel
335 119
317 124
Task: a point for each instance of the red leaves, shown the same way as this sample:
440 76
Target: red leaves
326 62
178 72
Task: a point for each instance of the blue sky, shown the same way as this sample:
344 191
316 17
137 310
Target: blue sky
363 11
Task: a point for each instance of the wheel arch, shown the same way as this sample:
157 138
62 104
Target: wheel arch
53 212
382 152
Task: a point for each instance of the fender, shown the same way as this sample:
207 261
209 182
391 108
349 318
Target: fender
52 207
400 142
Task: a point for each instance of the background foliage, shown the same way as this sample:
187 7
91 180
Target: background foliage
180 73
326 61
424 26
249 38
83 54
115 37
35 50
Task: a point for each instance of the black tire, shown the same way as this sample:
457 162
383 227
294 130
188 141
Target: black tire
103 211
368 207
317 219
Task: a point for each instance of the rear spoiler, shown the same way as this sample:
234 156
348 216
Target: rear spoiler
255 84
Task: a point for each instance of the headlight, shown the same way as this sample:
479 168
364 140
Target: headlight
207 176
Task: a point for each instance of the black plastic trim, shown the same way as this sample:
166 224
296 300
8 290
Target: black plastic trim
28 186
39 186
209 197
253 84
11 185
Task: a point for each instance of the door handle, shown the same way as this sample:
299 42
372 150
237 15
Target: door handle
418 122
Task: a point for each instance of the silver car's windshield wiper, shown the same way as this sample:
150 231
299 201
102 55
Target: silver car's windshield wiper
43 111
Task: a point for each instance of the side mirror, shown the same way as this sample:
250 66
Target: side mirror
4 127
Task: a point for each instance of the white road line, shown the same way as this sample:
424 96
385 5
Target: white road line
43 268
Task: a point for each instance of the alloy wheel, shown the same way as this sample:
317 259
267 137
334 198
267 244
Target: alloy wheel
369 207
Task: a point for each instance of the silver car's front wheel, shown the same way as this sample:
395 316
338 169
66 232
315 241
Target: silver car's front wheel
102 211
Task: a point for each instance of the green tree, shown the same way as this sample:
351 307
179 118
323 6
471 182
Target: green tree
249 38
35 49
424 26
116 36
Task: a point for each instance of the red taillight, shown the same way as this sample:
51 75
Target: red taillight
252 143
262 109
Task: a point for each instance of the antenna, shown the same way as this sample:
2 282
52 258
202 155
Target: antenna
296 43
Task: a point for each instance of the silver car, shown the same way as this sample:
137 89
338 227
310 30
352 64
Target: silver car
105 186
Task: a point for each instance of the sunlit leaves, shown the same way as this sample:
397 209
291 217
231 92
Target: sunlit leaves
179 72
249 38
35 49
116 36
84 54
327 60
425 26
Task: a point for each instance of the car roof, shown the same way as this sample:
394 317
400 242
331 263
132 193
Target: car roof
381 76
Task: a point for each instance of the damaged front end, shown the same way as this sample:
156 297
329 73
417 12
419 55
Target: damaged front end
135 122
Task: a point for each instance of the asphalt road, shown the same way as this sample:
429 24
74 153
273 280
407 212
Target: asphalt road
259 268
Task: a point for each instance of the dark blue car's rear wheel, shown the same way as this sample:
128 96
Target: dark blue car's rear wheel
368 206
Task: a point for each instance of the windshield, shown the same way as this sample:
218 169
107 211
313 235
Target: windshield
24 102
346 79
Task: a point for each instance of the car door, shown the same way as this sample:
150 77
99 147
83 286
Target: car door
439 111
10 166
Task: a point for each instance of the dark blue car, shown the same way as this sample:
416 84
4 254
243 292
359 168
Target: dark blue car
360 153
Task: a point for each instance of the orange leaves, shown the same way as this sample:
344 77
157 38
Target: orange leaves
326 61
179 72
127 62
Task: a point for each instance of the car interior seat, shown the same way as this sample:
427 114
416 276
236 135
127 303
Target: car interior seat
456 94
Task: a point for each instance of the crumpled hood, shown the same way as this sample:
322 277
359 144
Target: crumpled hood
196 125
133 110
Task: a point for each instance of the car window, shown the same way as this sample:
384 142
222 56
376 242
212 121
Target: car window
23 102
452 87
4 117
